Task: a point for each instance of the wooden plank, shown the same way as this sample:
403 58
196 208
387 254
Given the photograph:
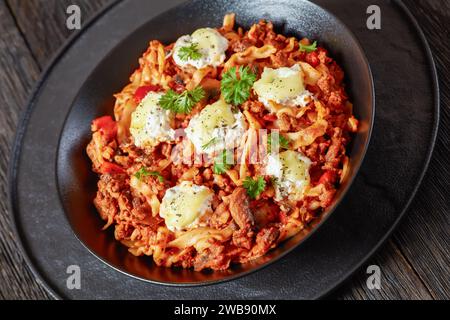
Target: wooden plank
18 73
424 237
43 22
420 247
398 280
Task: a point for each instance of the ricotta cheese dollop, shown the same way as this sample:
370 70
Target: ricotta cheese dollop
207 42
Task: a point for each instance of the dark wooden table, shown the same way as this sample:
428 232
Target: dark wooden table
415 262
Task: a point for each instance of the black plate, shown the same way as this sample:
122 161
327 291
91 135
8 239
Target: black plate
77 183
403 138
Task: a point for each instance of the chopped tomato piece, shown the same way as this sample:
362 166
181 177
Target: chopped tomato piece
313 59
328 177
321 49
141 92
254 203
111 168
179 88
106 126
270 117
283 217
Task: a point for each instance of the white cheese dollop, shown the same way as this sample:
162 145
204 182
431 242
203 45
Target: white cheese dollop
209 43
216 128
284 86
150 124
183 205
291 172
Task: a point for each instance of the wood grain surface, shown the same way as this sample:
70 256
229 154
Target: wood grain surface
415 262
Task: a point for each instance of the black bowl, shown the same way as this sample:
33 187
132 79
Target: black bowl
77 183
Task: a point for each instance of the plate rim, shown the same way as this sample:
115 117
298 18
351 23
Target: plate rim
18 139
430 151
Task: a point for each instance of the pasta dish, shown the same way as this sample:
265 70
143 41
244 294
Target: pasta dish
224 144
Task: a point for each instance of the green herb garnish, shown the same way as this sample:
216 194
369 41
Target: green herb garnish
210 143
189 52
181 102
236 90
254 187
220 164
310 48
282 142
143 172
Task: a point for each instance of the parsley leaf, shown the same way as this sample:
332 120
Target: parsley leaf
236 90
181 102
189 52
254 187
220 164
312 47
210 143
169 100
143 172
282 142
